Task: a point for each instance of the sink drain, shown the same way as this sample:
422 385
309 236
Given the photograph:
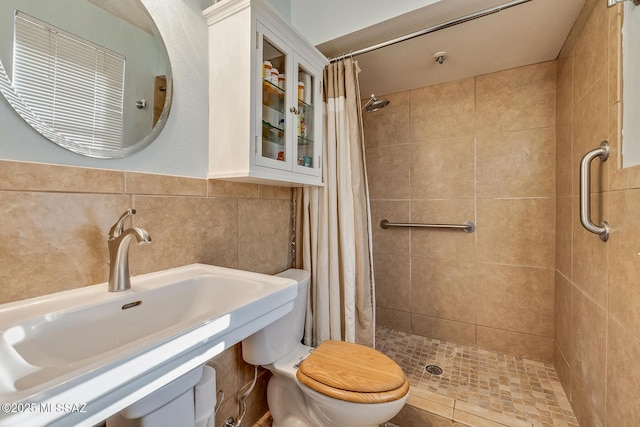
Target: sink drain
434 369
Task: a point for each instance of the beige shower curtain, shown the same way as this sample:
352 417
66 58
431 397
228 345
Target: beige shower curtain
333 224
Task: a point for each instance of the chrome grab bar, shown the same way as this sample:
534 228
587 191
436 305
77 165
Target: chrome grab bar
585 194
467 227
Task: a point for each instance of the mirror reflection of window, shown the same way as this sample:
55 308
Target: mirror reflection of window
75 87
631 85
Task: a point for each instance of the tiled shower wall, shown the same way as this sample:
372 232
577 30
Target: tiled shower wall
597 302
55 222
480 149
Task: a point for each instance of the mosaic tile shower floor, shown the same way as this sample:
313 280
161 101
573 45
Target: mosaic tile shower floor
510 385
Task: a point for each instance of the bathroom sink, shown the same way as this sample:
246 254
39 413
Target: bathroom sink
76 357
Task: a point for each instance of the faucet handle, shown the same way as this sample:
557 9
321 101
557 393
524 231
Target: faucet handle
118 227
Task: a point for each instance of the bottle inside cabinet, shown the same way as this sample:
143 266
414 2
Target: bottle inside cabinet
305 144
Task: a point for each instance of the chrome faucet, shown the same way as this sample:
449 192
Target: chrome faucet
119 239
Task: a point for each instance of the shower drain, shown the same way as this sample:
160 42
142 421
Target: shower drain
434 369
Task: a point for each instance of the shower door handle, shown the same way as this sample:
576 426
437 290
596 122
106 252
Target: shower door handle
585 191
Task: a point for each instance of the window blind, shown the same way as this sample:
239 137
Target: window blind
73 86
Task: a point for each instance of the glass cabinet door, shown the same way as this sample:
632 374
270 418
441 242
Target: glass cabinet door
271 145
308 109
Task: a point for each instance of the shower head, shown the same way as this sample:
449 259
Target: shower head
375 104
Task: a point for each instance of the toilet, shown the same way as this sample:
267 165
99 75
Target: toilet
336 384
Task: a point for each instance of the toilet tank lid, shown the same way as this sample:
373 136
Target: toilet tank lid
300 276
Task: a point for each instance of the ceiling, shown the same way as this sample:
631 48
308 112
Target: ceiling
521 35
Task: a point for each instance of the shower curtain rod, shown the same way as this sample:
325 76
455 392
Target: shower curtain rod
432 29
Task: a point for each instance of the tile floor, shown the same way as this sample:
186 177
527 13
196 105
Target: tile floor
477 387
508 386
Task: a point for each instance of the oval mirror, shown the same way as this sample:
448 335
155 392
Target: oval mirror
92 76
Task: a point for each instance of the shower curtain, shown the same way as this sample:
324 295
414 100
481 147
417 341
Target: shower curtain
333 223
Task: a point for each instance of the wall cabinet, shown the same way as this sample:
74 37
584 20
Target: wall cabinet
265 99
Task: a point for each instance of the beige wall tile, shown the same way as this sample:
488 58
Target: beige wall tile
590 128
583 297
447 330
516 231
444 289
226 366
531 346
519 299
516 164
145 183
563 292
257 400
634 177
443 169
443 185
245 371
587 357
567 47
436 243
624 262
590 253
562 369
218 187
52 242
392 277
615 57
390 125
517 99
395 319
564 235
582 407
392 240
442 111
274 192
264 230
623 377
618 177
591 32
564 157
564 81
185 230
23 176
388 171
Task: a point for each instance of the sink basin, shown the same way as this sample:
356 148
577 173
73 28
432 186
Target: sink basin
77 357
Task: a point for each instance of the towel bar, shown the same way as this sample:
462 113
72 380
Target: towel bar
585 191
467 227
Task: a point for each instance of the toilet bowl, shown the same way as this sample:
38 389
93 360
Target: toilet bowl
337 384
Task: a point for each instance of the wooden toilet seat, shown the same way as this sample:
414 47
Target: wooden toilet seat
353 373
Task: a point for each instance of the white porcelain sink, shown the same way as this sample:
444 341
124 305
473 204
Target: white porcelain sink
76 357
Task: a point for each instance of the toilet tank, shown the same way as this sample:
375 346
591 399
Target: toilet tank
276 340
